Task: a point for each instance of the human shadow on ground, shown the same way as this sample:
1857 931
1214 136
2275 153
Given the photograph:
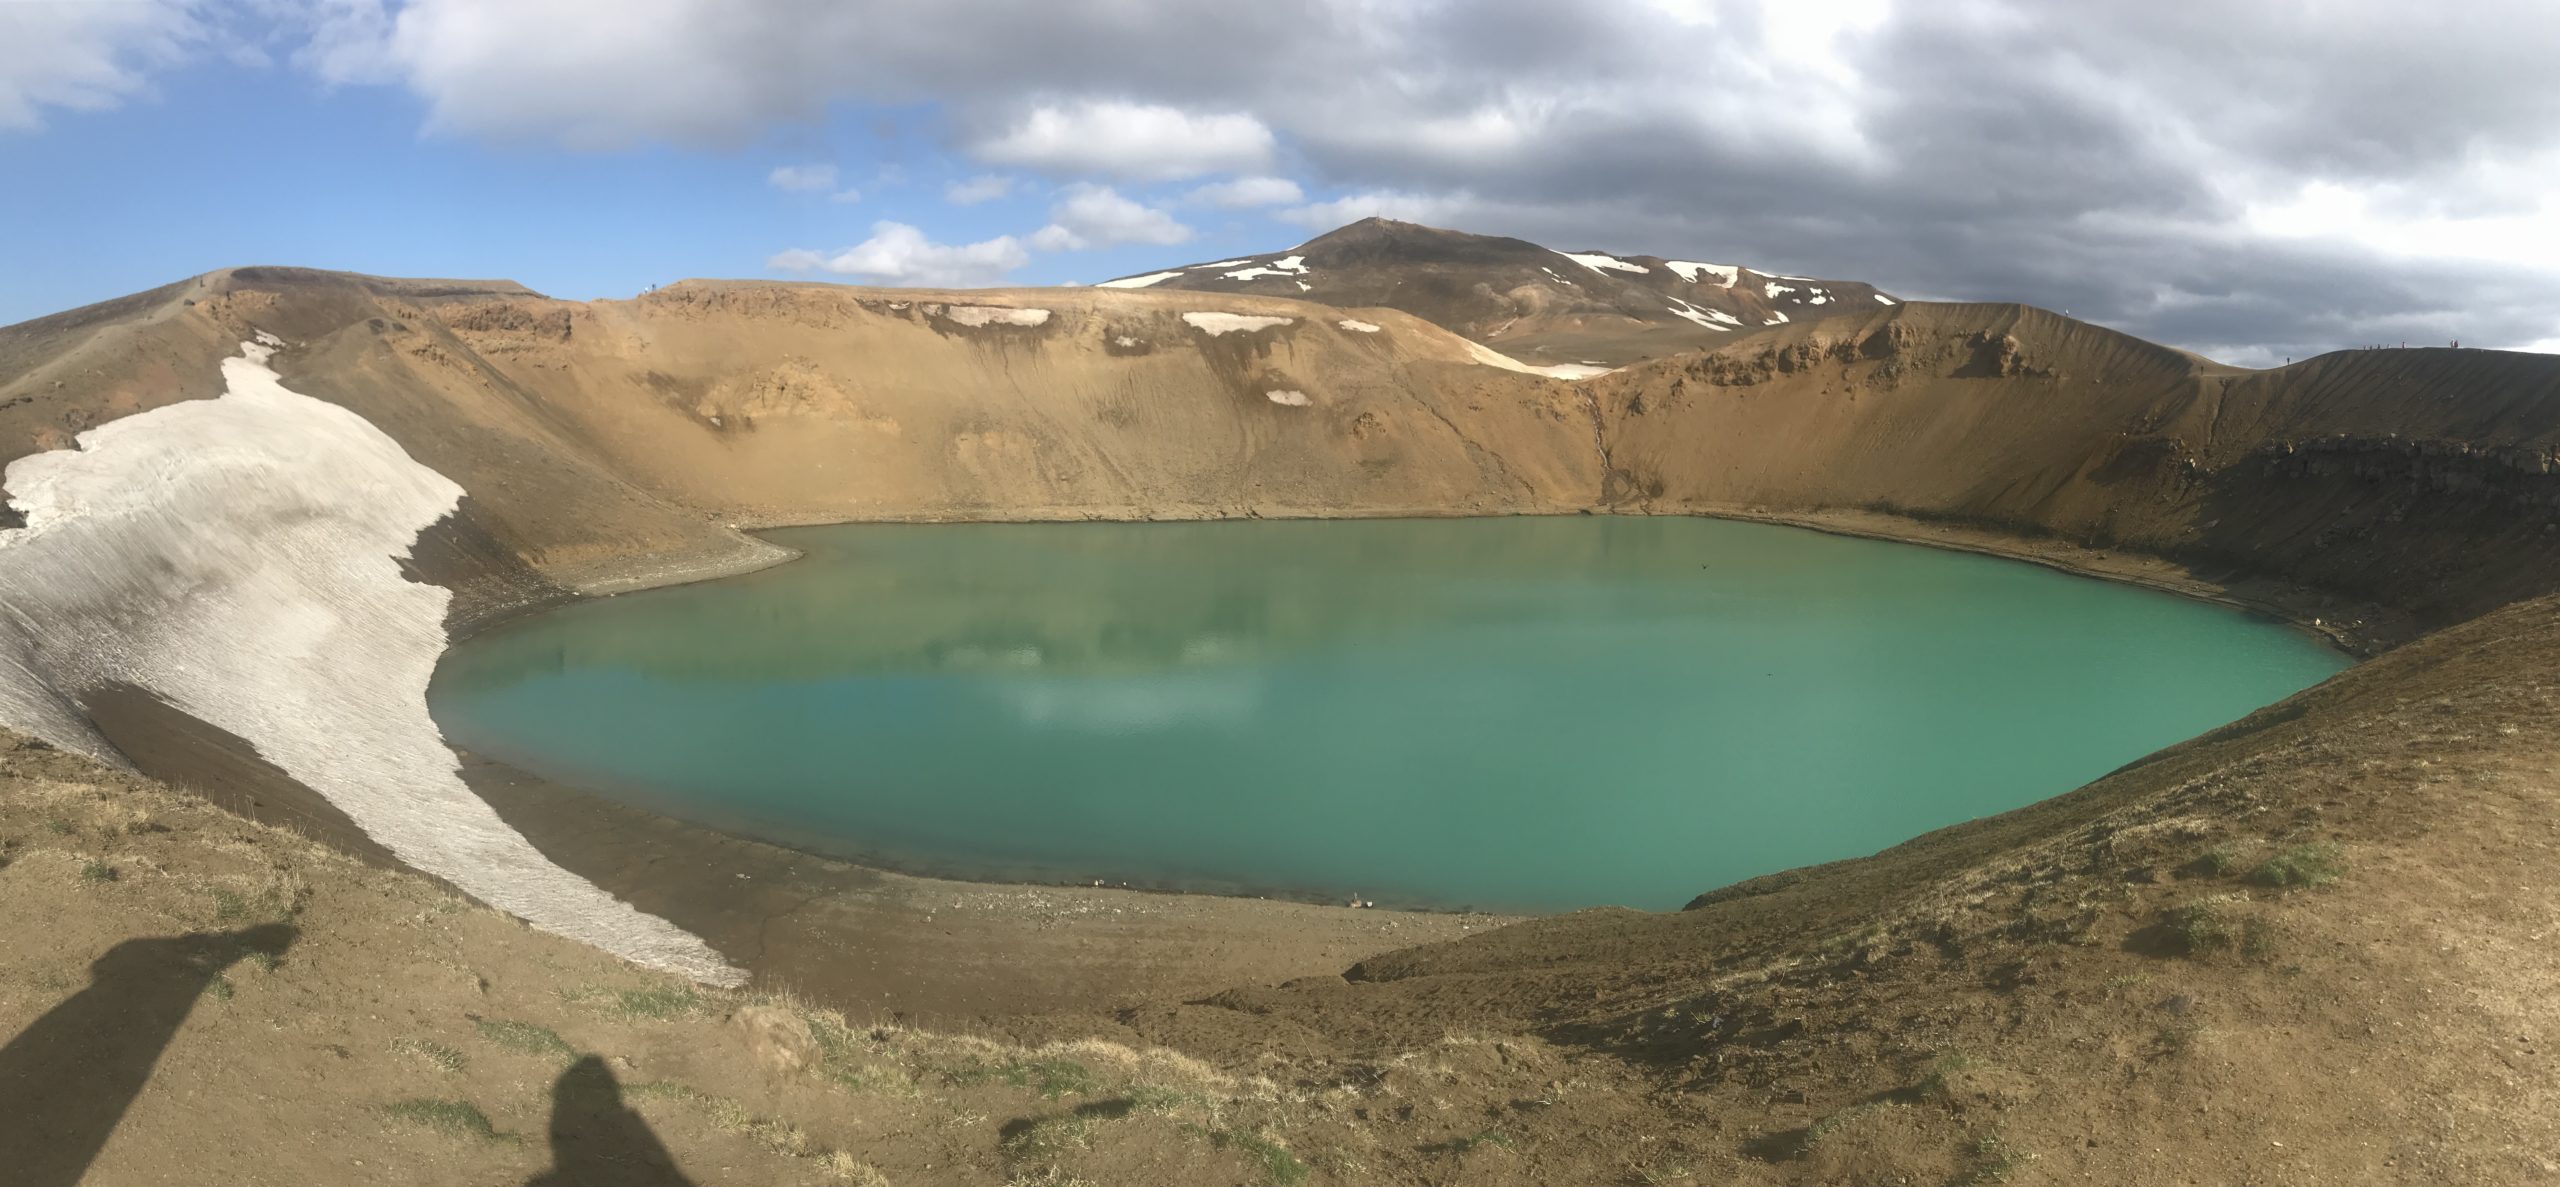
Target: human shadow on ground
597 1141
67 1079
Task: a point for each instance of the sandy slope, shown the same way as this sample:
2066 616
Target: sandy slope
2014 996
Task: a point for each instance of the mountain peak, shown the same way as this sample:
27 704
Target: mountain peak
1530 301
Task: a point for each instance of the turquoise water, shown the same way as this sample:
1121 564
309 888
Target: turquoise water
1533 714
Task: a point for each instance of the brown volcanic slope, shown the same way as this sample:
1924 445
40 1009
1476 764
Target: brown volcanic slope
2312 946
1537 304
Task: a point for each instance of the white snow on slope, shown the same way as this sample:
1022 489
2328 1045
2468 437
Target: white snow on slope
1725 274
1219 264
1284 266
1288 398
1882 299
1355 324
1777 290
1214 324
1596 261
1493 358
239 558
1137 282
1777 317
1705 317
980 315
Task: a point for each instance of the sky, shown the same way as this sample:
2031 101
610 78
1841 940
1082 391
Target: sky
2252 181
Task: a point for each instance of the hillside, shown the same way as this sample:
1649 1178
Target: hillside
1549 307
2302 947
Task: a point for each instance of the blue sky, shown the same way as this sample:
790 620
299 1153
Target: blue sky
2229 178
220 165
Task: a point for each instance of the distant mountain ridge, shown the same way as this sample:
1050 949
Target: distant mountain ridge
1534 303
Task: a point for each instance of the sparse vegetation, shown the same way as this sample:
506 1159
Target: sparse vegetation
728 1116
2301 867
523 1038
1046 1139
845 1168
437 1054
1831 1123
656 1002
1938 1082
1994 1160
457 1118
1274 1160
2201 927
97 871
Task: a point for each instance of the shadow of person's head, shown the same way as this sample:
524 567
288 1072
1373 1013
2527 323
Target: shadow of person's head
597 1140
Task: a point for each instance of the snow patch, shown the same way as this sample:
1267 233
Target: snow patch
1882 299
1705 317
981 315
1291 399
1596 261
1219 264
1214 324
1493 358
240 559
1778 317
1358 326
1137 282
1777 290
1124 341
1284 266
1725 274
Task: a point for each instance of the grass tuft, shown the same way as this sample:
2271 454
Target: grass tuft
455 1118
1274 1160
432 1052
523 1038
2201 927
656 1002
97 871
2302 867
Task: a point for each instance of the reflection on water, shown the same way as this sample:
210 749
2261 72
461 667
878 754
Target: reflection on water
1535 713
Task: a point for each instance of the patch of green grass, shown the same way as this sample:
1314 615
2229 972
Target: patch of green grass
1938 1082
1274 1160
438 1054
2201 927
2222 860
1149 1098
58 826
2302 867
1490 1137
456 1118
523 1038
221 989
1994 1160
658 1002
97 871
873 1077
1814 1133
1054 1078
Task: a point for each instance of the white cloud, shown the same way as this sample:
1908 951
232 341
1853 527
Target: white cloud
1137 141
86 56
802 177
1247 192
1091 216
986 187
899 254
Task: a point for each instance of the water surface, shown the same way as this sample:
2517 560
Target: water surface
1533 714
